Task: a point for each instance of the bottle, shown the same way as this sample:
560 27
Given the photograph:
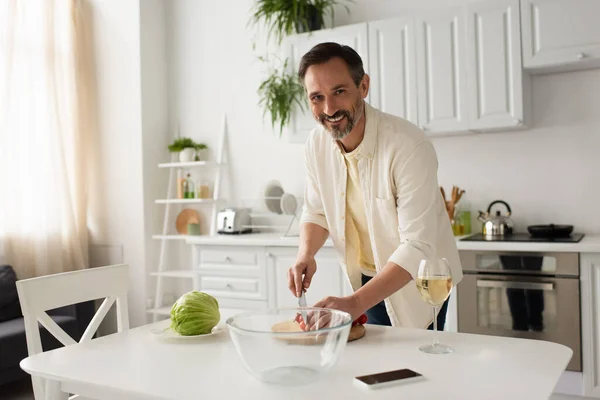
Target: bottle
180 181
464 216
189 191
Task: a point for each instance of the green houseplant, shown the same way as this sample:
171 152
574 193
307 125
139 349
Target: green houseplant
186 148
279 92
286 17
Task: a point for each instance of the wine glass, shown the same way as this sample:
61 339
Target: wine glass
434 282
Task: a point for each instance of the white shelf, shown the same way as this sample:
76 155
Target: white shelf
160 311
188 164
185 201
170 237
175 274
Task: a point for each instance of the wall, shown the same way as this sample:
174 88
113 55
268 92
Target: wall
547 174
214 70
155 124
117 193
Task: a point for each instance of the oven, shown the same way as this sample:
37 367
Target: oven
522 295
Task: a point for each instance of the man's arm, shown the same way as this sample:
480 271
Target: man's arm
387 282
312 238
418 191
313 230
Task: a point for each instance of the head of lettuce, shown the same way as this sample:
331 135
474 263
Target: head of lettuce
195 313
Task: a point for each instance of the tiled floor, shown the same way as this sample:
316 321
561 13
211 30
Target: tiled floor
20 390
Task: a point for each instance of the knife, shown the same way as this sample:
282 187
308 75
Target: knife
302 303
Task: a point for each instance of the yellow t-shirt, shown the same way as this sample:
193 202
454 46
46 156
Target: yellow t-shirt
358 244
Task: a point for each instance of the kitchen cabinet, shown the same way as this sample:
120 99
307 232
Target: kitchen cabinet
496 84
355 36
441 73
560 34
326 282
448 71
255 277
590 322
392 62
235 275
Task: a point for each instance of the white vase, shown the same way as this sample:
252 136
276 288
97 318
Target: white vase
187 155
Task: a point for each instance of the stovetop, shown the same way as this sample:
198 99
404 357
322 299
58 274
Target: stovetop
523 237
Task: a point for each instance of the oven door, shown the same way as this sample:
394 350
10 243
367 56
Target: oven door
531 307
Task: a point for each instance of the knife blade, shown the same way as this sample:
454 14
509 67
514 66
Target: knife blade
302 303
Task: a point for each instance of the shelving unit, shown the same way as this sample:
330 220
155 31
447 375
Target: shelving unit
160 309
175 274
185 201
188 164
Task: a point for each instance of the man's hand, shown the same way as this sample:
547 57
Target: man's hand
306 266
348 304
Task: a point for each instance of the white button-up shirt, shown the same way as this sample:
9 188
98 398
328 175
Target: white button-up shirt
406 216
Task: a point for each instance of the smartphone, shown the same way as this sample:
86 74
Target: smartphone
383 379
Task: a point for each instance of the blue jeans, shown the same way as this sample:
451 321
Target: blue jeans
377 315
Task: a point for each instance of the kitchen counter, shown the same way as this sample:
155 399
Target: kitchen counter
136 365
589 244
250 239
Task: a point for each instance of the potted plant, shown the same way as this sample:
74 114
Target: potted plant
278 95
186 148
201 152
285 17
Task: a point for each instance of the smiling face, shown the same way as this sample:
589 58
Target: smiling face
335 100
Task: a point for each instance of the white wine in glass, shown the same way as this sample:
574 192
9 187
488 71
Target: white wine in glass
434 282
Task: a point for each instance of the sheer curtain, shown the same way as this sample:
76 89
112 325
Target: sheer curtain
45 125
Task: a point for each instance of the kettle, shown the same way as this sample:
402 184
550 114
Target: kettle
496 225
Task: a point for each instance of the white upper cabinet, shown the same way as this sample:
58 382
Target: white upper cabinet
560 34
392 67
355 36
495 78
441 75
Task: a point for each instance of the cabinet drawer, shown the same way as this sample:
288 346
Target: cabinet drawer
229 257
231 287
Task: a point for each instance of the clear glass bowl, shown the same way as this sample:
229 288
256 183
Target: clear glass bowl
273 353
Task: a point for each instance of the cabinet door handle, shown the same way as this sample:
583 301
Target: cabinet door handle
227 259
581 56
269 255
229 286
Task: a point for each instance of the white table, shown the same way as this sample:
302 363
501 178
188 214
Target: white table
138 365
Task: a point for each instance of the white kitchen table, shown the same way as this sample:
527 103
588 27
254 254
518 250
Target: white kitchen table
138 365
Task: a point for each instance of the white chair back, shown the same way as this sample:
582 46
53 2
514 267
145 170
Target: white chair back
38 295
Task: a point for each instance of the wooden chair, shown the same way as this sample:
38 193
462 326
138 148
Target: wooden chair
38 295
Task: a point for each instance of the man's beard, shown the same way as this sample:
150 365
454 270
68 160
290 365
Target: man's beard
352 118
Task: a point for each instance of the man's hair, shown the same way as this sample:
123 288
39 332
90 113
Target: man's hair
324 52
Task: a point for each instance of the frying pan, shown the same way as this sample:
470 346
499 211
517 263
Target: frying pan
550 231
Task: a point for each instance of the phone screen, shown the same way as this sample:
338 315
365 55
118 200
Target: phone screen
389 376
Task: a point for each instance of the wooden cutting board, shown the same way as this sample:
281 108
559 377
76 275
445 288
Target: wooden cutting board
356 332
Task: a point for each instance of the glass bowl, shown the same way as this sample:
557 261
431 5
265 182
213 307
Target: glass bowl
273 347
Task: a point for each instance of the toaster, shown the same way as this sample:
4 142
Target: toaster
234 221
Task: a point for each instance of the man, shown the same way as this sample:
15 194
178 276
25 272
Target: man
372 186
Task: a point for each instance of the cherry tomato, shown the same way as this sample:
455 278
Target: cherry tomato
360 320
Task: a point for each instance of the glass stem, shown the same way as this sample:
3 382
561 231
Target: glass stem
436 341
